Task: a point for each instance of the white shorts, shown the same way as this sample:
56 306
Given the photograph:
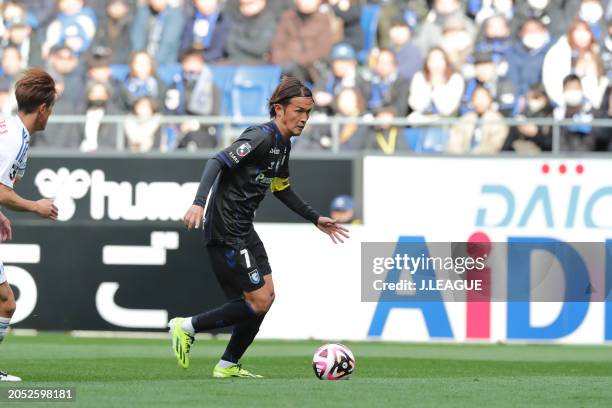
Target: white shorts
2 275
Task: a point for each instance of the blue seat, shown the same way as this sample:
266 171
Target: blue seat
369 26
223 75
426 139
119 72
251 88
168 73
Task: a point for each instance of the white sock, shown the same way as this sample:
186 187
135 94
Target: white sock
4 324
226 364
188 326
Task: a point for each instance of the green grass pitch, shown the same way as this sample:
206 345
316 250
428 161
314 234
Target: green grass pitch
144 373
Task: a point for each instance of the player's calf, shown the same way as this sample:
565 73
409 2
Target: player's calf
7 308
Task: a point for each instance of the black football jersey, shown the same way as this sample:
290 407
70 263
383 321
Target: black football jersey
255 163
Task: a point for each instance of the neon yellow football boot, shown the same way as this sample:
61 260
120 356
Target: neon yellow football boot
181 341
235 371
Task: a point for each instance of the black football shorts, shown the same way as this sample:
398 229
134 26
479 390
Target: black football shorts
240 267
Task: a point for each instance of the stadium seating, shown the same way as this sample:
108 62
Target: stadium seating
251 87
426 139
223 75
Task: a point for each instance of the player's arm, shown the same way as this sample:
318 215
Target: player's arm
6 232
196 212
43 208
282 190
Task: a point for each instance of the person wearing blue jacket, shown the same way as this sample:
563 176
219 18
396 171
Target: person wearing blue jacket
157 29
526 57
206 29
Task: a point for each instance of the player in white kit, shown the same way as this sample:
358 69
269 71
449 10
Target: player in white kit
35 93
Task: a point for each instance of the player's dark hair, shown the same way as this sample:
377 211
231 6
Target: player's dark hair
33 89
289 88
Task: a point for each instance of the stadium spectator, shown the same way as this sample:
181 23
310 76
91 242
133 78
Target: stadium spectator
253 27
431 31
197 136
496 38
410 11
530 138
348 103
436 89
11 63
408 56
456 42
471 135
489 8
349 14
435 92
98 135
74 27
386 86
113 34
69 79
606 51
157 29
98 65
562 59
193 90
303 38
592 12
343 73
342 209
206 30
526 57
141 81
556 16
142 129
485 75
385 137
589 67
603 135
40 12
19 33
579 136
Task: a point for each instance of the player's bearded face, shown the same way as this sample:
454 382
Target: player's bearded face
296 114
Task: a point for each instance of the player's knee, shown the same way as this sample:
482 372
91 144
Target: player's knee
8 307
272 298
261 304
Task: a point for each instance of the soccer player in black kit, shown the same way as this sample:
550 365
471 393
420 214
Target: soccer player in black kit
235 181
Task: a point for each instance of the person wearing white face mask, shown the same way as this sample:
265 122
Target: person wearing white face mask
576 137
556 15
525 58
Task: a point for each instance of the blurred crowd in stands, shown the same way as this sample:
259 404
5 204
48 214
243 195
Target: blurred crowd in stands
475 60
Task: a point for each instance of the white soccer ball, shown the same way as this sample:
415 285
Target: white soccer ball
333 362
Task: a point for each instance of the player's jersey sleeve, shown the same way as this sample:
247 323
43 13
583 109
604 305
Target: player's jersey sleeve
251 144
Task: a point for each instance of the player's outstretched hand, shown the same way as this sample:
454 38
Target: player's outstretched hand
6 233
46 209
333 229
193 217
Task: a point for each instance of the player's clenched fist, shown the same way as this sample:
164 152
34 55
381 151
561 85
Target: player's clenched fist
46 209
193 217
